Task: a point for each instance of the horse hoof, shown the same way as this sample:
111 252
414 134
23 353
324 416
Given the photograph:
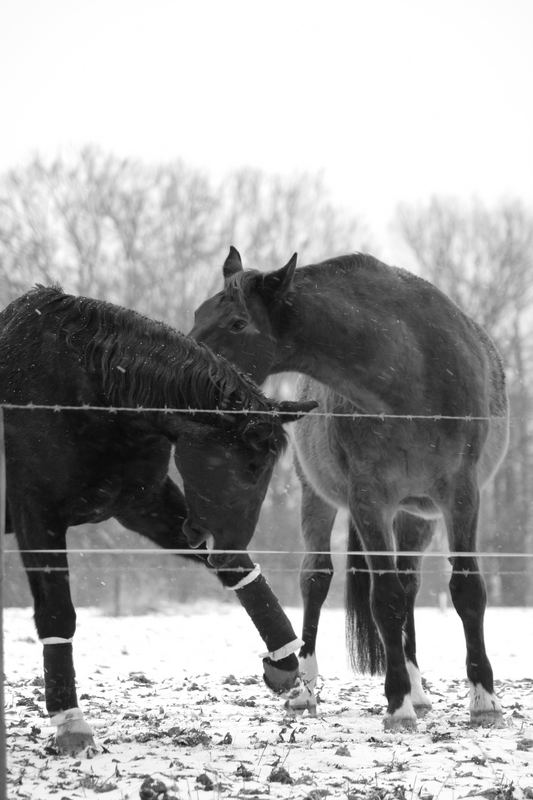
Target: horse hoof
421 709
70 744
392 723
279 680
487 719
300 704
73 733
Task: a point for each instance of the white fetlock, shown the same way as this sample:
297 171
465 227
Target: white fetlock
73 733
485 708
404 718
419 698
302 697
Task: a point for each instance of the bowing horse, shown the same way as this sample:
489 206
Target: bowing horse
86 451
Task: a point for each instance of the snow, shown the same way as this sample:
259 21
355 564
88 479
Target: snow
178 697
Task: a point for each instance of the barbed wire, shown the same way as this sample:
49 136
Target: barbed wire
244 412
57 408
298 571
182 551
279 570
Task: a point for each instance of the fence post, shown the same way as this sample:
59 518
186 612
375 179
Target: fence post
3 747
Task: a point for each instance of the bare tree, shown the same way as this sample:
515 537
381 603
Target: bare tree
154 238
268 217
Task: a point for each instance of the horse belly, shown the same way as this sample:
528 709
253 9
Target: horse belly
319 461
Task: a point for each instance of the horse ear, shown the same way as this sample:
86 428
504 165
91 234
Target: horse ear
279 283
291 410
232 264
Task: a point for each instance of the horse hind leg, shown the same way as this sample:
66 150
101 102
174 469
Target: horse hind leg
55 621
374 520
316 572
469 597
412 533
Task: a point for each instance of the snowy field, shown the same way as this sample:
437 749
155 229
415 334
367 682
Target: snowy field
179 708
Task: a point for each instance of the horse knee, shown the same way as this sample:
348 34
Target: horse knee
468 593
315 584
56 622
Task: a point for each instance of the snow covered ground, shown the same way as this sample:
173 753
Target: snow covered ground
177 698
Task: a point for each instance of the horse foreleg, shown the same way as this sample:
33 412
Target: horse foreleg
412 533
55 620
469 597
239 573
316 573
160 519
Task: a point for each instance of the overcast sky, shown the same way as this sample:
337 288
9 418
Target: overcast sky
392 99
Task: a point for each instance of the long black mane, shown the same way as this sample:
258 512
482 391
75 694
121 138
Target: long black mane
141 362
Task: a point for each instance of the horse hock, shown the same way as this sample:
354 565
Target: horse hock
280 663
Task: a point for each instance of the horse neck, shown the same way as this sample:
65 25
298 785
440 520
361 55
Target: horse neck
317 339
172 373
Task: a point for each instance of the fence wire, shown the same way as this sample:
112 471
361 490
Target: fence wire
57 408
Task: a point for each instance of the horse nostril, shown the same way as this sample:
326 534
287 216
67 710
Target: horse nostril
196 534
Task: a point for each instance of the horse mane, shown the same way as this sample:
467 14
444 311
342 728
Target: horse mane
141 362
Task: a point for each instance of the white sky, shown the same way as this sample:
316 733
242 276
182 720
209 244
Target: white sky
392 99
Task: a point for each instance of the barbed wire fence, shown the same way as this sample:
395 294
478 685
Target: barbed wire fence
57 408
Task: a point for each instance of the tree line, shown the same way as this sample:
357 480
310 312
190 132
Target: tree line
153 238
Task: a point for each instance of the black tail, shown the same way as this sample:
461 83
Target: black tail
362 638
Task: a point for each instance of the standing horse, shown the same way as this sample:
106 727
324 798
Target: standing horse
87 465
375 340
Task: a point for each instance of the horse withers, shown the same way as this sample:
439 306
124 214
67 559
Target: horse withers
92 453
413 424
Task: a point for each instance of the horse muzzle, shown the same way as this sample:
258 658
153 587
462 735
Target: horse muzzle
197 535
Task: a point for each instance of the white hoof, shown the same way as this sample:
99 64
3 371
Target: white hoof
403 719
302 700
303 697
485 708
73 733
419 698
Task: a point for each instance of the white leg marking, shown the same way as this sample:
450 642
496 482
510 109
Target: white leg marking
403 717
73 733
303 695
55 640
249 578
418 696
482 703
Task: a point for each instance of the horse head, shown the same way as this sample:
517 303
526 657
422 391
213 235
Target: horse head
226 468
239 321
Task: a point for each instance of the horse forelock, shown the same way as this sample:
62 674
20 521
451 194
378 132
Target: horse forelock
238 286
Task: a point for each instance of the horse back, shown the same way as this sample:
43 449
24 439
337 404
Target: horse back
402 349
78 462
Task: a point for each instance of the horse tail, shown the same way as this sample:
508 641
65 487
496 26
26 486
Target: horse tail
363 642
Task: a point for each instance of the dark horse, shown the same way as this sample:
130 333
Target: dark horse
86 465
375 340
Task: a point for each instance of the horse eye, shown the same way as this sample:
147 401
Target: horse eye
238 325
